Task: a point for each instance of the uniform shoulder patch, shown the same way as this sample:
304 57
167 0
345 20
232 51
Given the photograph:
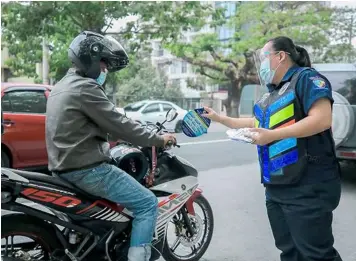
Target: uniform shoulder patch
318 81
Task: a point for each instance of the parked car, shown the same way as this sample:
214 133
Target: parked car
154 111
23 144
343 81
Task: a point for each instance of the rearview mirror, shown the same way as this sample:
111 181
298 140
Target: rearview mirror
171 115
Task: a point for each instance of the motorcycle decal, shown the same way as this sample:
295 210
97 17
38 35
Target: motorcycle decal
171 197
189 204
50 197
105 210
167 207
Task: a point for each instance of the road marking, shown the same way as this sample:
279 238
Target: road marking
203 142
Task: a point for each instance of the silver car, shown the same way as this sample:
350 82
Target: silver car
154 111
343 81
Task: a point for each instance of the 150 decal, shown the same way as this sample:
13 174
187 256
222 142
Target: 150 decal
50 197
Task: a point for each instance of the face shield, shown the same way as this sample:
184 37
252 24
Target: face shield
263 66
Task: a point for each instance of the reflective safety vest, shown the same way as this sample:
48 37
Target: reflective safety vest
282 161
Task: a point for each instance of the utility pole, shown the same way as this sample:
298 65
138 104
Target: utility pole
45 56
45 63
351 35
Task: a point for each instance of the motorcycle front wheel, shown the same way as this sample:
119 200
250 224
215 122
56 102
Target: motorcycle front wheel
184 245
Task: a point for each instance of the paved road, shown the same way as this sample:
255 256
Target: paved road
229 178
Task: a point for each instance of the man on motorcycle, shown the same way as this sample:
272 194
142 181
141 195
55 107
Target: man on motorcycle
80 118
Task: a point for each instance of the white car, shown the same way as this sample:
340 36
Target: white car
154 111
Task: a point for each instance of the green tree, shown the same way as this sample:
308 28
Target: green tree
254 23
343 31
142 81
24 24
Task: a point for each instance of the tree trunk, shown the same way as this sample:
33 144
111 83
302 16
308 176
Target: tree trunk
232 103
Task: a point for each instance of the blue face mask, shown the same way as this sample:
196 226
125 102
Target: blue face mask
266 73
102 77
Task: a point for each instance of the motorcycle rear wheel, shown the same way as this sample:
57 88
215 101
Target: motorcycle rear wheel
24 226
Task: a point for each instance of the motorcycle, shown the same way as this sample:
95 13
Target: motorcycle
64 222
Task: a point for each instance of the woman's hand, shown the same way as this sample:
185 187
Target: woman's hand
262 136
211 114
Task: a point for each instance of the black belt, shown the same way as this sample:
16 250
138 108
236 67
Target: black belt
90 166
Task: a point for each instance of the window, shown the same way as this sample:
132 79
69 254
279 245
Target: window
134 106
24 102
157 49
5 103
184 67
166 107
175 67
176 82
225 32
152 108
343 83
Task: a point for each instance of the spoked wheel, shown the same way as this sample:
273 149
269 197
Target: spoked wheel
184 245
30 248
25 241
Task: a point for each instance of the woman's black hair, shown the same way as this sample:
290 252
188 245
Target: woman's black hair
298 54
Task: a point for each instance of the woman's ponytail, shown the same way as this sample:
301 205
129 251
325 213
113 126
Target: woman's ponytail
303 59
298 54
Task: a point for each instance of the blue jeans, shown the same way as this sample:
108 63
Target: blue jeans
109 182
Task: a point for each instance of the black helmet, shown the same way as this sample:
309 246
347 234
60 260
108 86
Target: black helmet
130 159
89 48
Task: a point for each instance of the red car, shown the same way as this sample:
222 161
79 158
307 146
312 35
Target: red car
23 144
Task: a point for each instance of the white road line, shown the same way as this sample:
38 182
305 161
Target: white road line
202 142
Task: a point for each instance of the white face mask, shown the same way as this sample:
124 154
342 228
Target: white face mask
102 77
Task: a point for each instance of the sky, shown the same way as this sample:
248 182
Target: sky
343 3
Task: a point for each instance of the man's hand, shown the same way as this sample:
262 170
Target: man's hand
169 137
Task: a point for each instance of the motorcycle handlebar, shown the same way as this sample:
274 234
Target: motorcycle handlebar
172 143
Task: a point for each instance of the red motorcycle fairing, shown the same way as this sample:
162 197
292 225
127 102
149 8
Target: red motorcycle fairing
189 203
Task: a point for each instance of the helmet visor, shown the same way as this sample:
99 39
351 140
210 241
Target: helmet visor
113 54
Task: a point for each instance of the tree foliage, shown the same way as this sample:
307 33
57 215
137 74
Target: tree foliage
343 31
229 62
24 24
142 81
253 25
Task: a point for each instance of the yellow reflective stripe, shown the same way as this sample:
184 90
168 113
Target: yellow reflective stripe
257 123
282 115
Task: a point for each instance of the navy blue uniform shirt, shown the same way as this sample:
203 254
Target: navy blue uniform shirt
312 86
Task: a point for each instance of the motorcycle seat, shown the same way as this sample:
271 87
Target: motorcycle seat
54 180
